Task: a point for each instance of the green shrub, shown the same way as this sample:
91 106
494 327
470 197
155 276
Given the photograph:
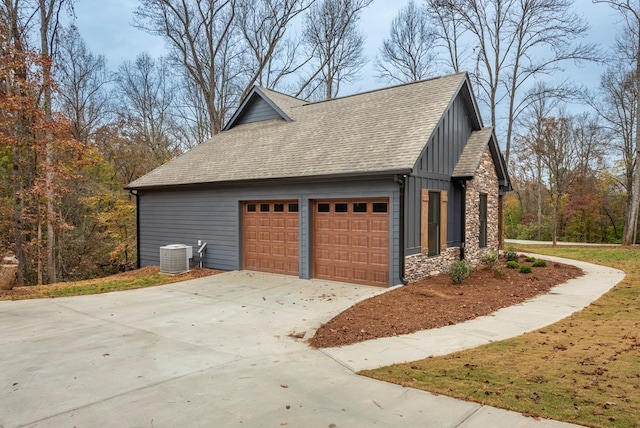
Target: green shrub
512 264
530 259
525 269
459 271
539 263
490 259
499 273
511 255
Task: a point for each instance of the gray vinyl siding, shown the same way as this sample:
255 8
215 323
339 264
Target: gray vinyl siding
258 110
214 215
433 171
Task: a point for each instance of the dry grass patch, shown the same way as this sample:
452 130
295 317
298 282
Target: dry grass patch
139 278
584 369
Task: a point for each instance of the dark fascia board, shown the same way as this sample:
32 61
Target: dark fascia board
268 181
255 91
472 104
500 164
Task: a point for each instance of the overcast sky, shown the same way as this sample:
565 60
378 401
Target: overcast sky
106 27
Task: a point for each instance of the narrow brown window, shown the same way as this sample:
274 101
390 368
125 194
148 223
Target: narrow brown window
433 222
483 220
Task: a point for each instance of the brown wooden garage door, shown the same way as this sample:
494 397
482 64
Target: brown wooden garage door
270 236
351 241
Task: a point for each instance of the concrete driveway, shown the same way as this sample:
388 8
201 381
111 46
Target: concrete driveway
219 351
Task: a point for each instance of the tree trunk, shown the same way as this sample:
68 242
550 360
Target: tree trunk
8 276
632 215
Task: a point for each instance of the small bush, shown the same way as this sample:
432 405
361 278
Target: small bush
511 255
539 263
500 273
525 269
459 271
490 259
530 259
512 264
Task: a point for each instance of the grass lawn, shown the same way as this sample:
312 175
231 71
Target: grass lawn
140 278
584 369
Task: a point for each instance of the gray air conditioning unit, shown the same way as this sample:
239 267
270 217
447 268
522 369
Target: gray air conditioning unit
174 258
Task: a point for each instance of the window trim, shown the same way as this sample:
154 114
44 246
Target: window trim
424 222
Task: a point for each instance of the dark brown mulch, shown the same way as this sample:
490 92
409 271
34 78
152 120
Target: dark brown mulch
436 302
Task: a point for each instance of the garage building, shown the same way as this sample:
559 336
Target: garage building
374 188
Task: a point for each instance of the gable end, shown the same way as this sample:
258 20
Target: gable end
256 107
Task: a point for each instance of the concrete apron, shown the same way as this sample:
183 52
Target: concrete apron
217 351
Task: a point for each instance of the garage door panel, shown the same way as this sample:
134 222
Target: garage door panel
340 225
340 240
351 241
360 225
270 237
361 257
360 241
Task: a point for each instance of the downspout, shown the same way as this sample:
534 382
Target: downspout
135 194
463 222
400 180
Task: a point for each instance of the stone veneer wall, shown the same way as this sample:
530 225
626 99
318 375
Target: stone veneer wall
485 181
420 266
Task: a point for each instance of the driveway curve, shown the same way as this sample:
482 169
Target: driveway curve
219 351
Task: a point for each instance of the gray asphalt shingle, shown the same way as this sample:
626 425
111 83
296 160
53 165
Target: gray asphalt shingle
376 131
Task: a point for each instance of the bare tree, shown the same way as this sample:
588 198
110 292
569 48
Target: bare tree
616 102
408 54
269 55
450 31
199 35
527 159
334 45
82 79
148 94
510 37
630 45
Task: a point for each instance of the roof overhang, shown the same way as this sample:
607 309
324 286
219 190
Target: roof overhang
391 173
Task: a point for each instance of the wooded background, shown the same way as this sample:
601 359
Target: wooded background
74 131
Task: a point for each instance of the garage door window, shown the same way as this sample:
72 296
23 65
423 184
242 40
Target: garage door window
324 208
341 208
360 207
251 208
278 208
380 207
293 208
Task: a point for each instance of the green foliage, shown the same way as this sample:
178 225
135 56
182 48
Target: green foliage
539 263
490 259
459 271
530 259
525 269
511 254
512 264
500 273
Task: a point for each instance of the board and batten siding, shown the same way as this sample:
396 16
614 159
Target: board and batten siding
433 171
213 215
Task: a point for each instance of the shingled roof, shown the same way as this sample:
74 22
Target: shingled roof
381 131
